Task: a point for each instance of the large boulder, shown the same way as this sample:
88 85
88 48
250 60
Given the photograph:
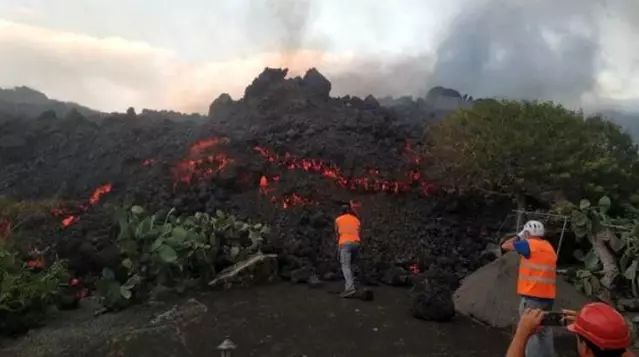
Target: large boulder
432 301
432 297
489 294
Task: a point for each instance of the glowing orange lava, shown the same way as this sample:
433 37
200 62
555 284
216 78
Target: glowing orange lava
70 217
413 157
69 220
371 183
263 185
201 165
35 264
98 193
205 144
285 201
414 269
293 200
206 158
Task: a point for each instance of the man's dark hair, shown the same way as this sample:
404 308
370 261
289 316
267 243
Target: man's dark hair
599 352
346 209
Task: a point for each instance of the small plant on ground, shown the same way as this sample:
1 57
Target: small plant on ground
27 293
172 251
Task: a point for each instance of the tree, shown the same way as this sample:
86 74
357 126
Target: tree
539 150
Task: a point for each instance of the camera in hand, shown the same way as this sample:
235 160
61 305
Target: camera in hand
553 318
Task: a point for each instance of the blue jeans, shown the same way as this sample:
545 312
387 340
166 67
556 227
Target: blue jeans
540 344
348 254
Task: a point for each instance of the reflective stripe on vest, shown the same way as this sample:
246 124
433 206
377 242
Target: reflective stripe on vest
537 275
347 228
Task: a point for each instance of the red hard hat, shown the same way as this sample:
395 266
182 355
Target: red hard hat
602 325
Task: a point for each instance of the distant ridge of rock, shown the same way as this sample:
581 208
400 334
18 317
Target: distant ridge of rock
24 95
27 103
30 103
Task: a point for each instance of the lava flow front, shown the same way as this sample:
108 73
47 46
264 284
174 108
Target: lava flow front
207 157
287 200
373 183
293 200
72 215
200 165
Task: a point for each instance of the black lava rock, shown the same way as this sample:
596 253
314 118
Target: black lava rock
432 301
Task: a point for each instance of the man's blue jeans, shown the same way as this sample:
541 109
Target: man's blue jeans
540 344
348 254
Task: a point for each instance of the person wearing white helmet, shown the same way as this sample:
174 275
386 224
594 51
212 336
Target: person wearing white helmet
536 282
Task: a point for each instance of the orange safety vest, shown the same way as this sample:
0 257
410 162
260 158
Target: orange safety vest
347 228
537 275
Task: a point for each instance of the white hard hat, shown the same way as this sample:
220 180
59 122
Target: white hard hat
534 228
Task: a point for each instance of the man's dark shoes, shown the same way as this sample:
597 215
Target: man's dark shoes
348 293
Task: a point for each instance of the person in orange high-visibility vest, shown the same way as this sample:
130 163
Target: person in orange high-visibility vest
347 228
536 282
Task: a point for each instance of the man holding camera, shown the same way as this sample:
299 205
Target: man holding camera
601 331
536 282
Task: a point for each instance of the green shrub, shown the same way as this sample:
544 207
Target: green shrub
172 251
612 245
26 295
531 149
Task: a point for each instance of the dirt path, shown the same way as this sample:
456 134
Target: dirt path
288 320
280 320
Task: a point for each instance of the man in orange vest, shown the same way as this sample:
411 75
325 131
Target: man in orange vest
601 331
536 281
347 227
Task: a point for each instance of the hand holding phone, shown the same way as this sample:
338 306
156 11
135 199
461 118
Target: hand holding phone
553 318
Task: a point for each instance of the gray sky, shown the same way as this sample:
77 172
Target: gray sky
110 54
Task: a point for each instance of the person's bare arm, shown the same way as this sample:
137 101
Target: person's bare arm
517 346
528 324
508 244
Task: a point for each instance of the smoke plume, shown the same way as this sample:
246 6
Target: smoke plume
517 49
522 49
280 26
